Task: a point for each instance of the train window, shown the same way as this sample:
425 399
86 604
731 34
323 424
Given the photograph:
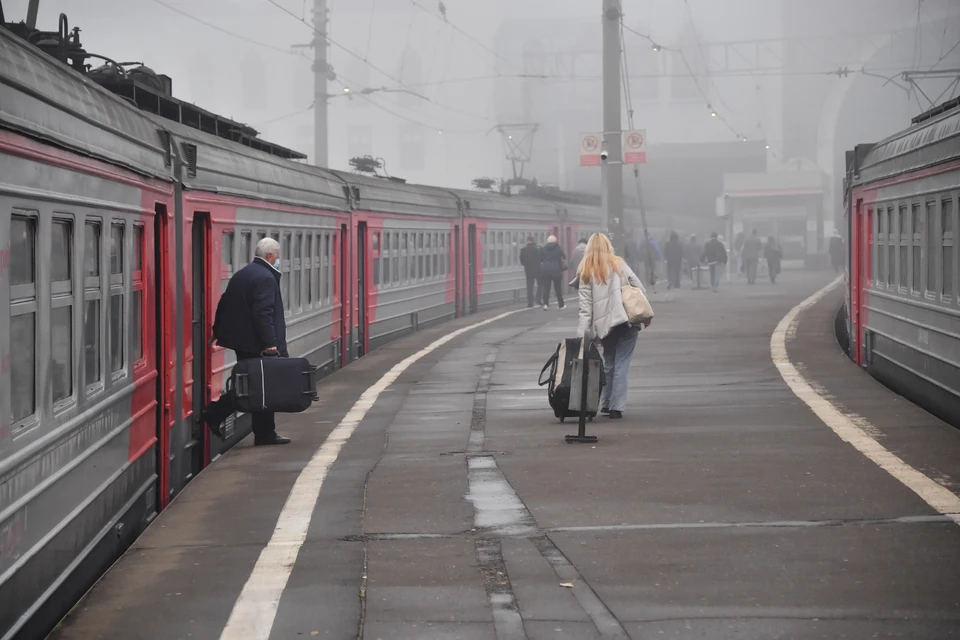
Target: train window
226 259
23 320
949 244
116 333
23 353
436 254
376 259
483 248
116 250
420 270
444 260
904 244
285 263
116 319
61 352
318 269
930 227
385 262
137 300
246 246
295 268
891 249
327 263
91 243
429 260
499 248
61 251
916 229
91 341
308 268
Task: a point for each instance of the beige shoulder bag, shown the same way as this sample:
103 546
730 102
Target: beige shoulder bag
635 303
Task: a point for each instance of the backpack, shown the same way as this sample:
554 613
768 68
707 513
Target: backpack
556 374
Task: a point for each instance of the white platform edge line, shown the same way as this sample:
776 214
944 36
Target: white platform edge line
254 612
940 498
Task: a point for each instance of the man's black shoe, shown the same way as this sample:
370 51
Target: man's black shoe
616 415
269 440
211 424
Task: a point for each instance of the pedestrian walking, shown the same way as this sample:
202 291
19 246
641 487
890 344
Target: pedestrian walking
692 253
715 256
837 251
530 259
553 262
752 250
673 252
249 321
577 256
774 255
602 274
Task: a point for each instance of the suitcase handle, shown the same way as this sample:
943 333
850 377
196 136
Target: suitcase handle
239 385
311 389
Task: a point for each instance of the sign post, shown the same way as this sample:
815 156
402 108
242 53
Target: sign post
635 147
590 149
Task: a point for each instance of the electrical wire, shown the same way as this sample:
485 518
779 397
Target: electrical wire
443 18
386 74
216 27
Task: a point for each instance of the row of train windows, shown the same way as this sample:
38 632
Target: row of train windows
407 257
306 259
501 249
914 246
90 300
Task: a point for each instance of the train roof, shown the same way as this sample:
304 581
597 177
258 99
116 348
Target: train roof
45 99
223 166
933 139
383 195
495 206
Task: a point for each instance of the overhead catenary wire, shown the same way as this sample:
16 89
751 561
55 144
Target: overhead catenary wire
217 27
379 70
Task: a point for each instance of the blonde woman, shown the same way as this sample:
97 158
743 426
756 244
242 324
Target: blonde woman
601 274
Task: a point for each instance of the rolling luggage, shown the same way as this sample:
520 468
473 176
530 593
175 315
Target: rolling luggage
283 385
558 374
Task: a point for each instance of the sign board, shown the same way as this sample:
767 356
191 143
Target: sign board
635 146
590 149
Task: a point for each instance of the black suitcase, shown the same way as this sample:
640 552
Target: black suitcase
283 385
560 367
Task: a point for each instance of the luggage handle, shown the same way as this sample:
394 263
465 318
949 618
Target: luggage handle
550 364
311 389
239 385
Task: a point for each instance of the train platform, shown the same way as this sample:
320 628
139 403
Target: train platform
759 486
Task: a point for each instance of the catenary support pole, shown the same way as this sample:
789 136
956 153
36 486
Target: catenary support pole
320 76
612 168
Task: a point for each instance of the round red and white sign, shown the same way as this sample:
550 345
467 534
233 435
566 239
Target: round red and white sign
590 144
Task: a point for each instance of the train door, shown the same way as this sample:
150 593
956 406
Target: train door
166 370
569 244
193 448
361 246
457 270
344 265
472 266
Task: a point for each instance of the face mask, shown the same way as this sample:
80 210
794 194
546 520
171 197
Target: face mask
276 264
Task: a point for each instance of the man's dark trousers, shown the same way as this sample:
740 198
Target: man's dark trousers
533 283
264 423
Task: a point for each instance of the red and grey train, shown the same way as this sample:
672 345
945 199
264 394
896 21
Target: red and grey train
903 289
118 232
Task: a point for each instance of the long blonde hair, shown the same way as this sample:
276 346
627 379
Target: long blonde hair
599 260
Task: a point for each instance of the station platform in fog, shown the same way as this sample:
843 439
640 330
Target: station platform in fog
721 506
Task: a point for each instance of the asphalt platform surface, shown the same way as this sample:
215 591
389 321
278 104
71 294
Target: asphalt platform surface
719 507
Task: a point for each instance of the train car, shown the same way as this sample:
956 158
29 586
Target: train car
902 276
230 197
404 239
85 197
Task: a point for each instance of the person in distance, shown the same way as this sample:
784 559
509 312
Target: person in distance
552 265
250 321
530 259
601 276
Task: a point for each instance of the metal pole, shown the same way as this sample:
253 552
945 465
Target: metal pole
320 75
612 125
32 9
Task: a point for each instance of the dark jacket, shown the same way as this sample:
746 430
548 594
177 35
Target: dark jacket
530 259
774 254
250 313
752 248
551 259
714 251
673 251
577 257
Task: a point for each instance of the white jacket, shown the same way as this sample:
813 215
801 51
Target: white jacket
601 305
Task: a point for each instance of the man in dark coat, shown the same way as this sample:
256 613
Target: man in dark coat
837 251
530 259
673 252
750 252
552 265
715 255
774 254
250 321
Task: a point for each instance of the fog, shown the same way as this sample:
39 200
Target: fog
793 83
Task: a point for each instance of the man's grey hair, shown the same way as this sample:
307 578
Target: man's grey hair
267 247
